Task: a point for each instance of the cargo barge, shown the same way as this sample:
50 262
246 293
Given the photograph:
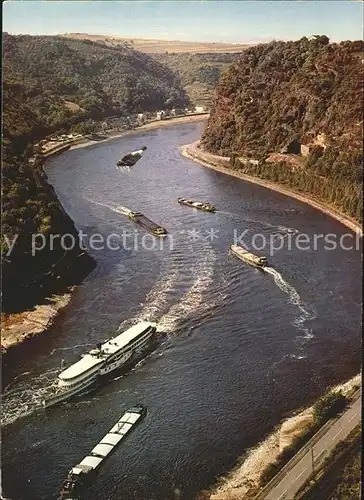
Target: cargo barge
148 224
206 207
81 474
248 257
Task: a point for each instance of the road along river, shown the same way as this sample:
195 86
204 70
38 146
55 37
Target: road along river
239 348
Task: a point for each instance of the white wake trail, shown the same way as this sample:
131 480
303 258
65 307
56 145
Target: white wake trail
20 396
158 298
120 209
18 399
193 300
295 299
155 301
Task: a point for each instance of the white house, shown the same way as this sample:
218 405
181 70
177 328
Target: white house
161 115
141 118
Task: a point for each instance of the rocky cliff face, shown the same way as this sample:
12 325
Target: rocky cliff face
284 90
301 97
30 207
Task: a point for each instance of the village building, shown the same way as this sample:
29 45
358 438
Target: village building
177 112
305 150
161 115
141 118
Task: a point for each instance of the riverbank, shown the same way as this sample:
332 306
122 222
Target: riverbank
243 480
16 328
147 126
221 164
19 327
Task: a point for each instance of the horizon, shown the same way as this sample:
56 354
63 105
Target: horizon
245 22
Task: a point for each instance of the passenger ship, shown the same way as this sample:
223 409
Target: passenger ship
102 360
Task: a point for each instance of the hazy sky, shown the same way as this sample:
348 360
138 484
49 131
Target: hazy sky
214 21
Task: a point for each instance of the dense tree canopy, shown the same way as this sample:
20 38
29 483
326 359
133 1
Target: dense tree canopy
199 73
307 91
97 80
53 84
29 207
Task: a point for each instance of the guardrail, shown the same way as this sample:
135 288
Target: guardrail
325 467
302 452
217 161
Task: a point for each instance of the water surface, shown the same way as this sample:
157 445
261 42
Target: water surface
239 348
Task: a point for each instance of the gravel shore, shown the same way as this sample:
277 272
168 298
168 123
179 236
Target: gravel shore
221 164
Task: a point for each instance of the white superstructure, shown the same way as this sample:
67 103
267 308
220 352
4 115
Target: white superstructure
100 361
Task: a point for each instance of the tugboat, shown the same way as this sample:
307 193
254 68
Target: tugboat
130 159
70 488
148 224
248 257
206 207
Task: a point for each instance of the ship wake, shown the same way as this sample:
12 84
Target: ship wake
193 300
295 299
120 209
156 300
20 396
157 306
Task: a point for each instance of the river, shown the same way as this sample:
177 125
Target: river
239 348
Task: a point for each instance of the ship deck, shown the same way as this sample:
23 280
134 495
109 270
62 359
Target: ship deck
107 443
109 348
147 223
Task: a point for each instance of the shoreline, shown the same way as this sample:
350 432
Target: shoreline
242 482
147 126
17 328
192 152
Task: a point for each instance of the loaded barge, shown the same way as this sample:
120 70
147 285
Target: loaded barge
148 224
206 207
80 474
248 257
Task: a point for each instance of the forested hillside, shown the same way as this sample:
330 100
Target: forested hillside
199 73
63 80
279 96
29 207
50 84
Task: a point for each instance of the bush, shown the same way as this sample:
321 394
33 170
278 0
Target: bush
269 472
329 406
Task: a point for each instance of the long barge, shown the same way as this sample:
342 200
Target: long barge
146 223
248 257
79 476
206 207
